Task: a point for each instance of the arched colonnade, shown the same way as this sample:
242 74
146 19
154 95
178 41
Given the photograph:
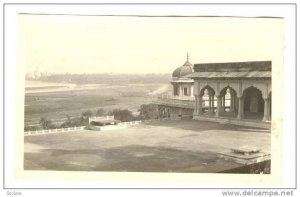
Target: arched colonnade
239 99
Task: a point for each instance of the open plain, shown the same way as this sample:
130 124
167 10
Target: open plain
56 101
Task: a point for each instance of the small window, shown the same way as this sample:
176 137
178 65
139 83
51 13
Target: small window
185 91
175 91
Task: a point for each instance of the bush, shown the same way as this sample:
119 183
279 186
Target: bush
31 128
46 124
74 122
124 115
148 111
101 112
87 114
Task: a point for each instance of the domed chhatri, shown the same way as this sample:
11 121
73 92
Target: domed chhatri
183 86
185 69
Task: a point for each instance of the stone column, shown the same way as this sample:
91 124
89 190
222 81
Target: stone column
212 103
180 90
237 104
241 107
159 112
266 111
231 102
224 103
209 102
196 107
270 109
175 90
200 105
234 104
219 106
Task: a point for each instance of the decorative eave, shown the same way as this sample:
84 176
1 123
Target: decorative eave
231 75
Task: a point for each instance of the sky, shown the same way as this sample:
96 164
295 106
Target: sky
119 44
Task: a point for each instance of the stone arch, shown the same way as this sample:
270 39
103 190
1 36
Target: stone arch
224 89
205 84
206 87
247 86
228 105
208 102
233 86
254 87
253 106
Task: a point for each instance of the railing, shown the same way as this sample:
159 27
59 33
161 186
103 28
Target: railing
187 101
130 123
103 128
175 102
127 124
168 96
107 127
50 131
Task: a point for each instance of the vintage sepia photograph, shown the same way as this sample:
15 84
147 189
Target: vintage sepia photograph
170 94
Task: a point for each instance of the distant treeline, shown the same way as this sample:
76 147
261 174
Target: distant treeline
103 78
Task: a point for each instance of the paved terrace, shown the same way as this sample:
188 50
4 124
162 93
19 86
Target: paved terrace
169 146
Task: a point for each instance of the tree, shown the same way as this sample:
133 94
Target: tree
74 122
87 114
124 115
31 128
100 112
85 117
148 111
45 123
68 123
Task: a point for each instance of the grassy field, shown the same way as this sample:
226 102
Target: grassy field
170 146
58 104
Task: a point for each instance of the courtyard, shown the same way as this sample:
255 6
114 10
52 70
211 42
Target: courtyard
162 146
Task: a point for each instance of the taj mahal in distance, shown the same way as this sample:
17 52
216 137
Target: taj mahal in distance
233 92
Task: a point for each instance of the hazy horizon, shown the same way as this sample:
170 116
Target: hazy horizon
141 45
97 73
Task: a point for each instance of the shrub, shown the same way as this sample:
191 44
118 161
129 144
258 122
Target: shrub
31 128
74 122
86 114
124 115
101 112
46 124
148 111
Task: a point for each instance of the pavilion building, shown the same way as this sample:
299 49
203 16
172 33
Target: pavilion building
233 92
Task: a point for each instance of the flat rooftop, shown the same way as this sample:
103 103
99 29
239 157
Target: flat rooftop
234 66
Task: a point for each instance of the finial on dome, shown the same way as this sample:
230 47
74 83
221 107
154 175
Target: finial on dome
187 56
